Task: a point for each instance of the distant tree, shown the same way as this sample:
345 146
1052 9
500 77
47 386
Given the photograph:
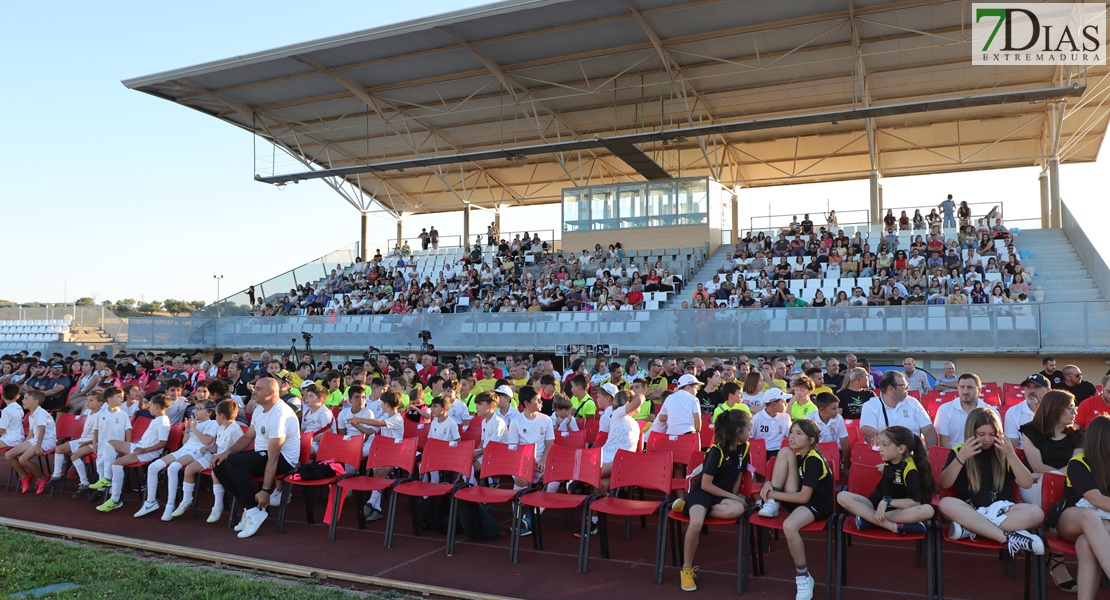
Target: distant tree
85 301
176 307
198 304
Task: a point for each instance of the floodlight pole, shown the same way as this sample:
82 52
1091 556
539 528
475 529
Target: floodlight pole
1045 216
1054 190
364 240
218 278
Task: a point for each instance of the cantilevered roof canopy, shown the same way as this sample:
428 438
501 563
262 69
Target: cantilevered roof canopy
508 103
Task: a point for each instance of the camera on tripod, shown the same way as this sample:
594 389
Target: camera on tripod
424 335
307 337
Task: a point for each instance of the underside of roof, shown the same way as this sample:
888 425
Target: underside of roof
531 73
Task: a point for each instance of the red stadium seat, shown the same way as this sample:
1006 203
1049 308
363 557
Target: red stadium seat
384 452
563 464
570 439
498 460
345 450
451 457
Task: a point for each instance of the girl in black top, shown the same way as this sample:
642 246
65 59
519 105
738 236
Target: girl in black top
1087 519
900 503
715 492
1050 440
803 482
983 470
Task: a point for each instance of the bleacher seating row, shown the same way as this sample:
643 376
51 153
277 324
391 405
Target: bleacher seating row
33 331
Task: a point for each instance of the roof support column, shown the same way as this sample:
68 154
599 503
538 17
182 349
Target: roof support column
1046 220
497 224
735 202
364 240
876 199
466 225
400 230
1054 190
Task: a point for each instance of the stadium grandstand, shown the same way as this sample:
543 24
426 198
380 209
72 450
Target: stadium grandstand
646 121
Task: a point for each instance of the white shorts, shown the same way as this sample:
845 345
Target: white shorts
183 453
996 513
10 442
205 461
147 457
46 446
70 447
1083 503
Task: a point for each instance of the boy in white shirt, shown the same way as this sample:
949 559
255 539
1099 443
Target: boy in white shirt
315 417
681 411
352 419
80 447
199 432
392 426
11 418
563 419
505 406
494 428
145 450
114 426
772 424
41 438
443 427
531 427
455 409
831 424
227 433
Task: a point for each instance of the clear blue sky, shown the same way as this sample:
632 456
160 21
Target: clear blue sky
115 194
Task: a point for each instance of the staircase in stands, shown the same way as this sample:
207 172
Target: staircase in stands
1058 271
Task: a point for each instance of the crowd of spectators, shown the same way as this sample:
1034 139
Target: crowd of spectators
966 267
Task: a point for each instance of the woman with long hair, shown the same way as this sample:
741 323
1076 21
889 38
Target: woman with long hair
983 471
1086 516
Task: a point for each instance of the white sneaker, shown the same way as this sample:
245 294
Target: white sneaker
275 498
216 514
805 587
180 510
770 509
168 514
148 507
252 523
242 521
957 532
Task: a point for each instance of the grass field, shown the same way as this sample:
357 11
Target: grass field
31 562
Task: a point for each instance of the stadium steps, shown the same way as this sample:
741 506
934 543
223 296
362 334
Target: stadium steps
705 273
1058 270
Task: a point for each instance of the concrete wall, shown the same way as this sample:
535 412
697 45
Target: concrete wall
647 238
1087 251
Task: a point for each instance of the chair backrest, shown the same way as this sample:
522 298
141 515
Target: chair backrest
1052 489
516 460
648 471
863 479
831 452
570 439
592 428
341 449
177 435
680 446
854 435
418 431
306 447
706 435
757 456
138 427
335 410
456 457
865 456
69 427
938 457
390 452
573 464
599 441
472 430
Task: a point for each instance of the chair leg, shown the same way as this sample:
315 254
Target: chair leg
604 531
741 568
661 542
309 512
841 562
930 576
938 545
286 492
830 550
415 508
390 521
452 514
514 533
231 513
584 543
335 508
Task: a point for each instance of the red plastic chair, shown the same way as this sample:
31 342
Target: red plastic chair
139 426
472 430
177 434
562 464
915 394
498 460
570 439
633 469
346 450
680 447
68 427
1052 489
306 449
600 440
752 521
863 479
384 452
418 431
591 430
452 457
705 436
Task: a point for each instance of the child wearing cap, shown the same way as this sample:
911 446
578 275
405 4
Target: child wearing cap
505 408
681 411
772 423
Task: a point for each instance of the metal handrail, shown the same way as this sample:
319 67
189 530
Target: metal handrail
456 241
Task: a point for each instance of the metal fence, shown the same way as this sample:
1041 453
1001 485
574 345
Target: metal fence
80 316
975 329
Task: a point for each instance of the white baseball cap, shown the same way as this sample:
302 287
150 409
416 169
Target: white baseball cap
686 380
504 390
775 394
610 389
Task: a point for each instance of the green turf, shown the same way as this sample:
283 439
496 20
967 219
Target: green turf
31 562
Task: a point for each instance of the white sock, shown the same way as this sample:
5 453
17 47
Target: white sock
552 487
82 471
152 480
59 461
217 491
172 474
187 493
435 476
250 512
117 482
376 500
